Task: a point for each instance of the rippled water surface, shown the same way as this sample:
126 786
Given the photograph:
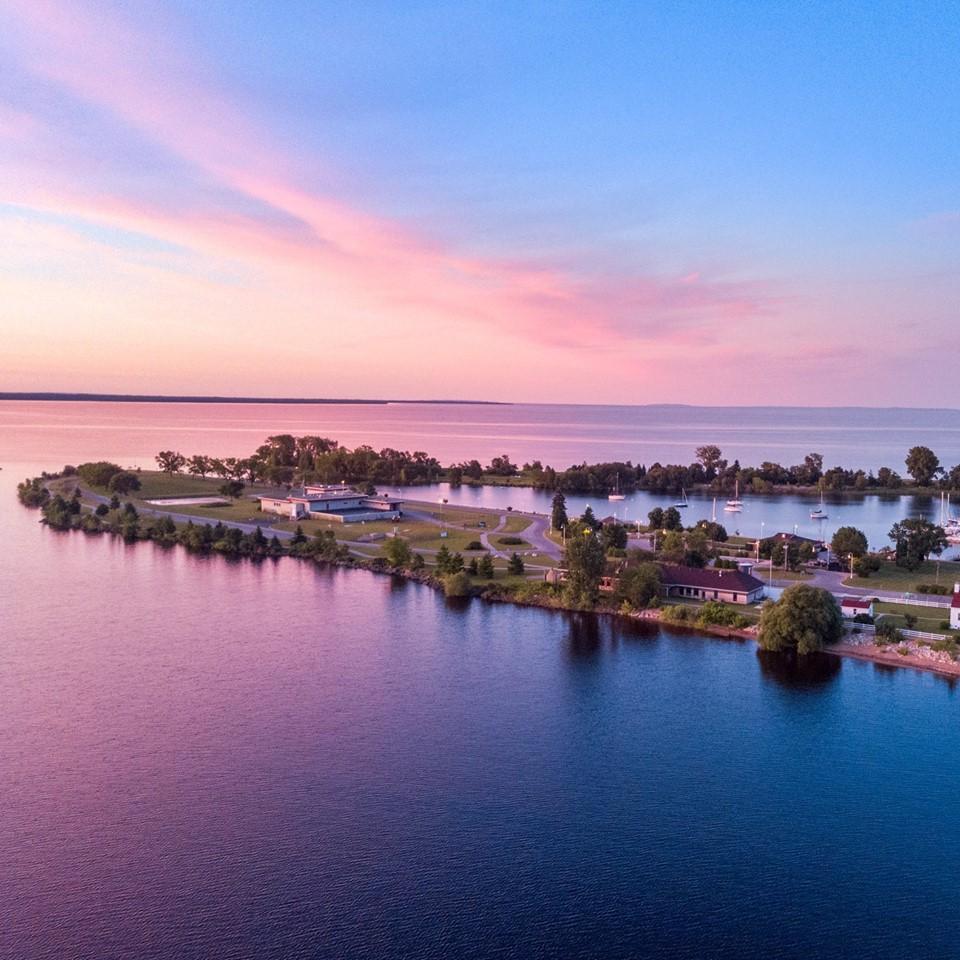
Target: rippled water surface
201 758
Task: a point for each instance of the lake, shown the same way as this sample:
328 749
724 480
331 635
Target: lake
210 758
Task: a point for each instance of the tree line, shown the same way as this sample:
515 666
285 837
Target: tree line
285 459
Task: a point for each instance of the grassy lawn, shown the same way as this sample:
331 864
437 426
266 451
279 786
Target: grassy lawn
462 516
516 524
890 577
243 510
928 618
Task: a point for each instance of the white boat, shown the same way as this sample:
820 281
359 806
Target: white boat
819 513
616 495
682 502
736 504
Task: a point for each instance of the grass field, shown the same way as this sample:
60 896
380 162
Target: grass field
516 524
928 618
462 516
890 577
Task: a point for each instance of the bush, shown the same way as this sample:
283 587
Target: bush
938 589
511 541
474 545
102 510
456 584
678 614
863 618
887 632
714 613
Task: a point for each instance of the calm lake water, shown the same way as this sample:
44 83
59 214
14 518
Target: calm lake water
202 758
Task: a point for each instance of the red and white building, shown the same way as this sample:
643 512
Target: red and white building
855 606
955 608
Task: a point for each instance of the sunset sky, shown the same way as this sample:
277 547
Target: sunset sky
729 202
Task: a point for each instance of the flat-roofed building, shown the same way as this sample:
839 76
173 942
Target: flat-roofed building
337 503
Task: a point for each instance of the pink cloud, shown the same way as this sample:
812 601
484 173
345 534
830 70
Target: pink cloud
378 265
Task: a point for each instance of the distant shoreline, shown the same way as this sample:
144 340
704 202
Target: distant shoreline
154 398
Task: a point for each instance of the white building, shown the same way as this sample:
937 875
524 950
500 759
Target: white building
854 606
338 503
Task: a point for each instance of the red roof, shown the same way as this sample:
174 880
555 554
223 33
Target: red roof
860 603
956 600
709 579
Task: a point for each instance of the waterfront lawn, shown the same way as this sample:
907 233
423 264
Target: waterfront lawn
461 516
516 523
928 618
891 578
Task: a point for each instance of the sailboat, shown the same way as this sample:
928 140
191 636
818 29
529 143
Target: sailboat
736 504
616 494
819 513
682 502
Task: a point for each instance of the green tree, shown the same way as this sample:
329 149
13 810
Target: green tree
914 540
655 518
443 559
558 513
199 465
585 560
922 464
299 536
124 482
710 457
98 474
672 519
485 567
515 565
640 585
849 542
588 519
673 549
170 462
398 552
614 536
232 489
802 620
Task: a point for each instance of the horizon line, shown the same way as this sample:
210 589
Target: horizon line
80 397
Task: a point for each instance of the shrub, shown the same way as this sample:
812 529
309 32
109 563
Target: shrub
714 613
678 614
887 632
474 545
937 589
456 584
863 618
511 541
102 510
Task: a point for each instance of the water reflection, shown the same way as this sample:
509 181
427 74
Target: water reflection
799 672
583 635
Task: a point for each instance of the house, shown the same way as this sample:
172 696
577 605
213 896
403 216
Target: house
855 606
955 608
338 503
730 586
793 540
